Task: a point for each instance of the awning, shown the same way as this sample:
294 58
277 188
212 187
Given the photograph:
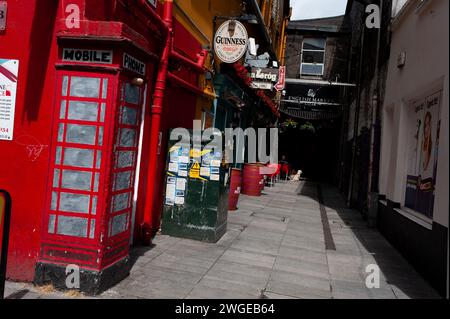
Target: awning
312 100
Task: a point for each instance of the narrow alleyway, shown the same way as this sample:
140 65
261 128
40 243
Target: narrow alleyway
275 247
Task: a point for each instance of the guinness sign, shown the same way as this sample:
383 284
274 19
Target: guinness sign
231 41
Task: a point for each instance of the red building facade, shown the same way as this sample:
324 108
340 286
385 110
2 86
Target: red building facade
85 94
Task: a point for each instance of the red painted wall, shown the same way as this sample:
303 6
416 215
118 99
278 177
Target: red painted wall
24 162
29 37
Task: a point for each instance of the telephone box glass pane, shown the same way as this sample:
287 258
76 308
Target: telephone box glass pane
100 136
76 180
51 224
92 231
72 226
74 203
102 112
129 115
64 85
105 88
121 202
119 224
58 155
96 180
62 111
81 134
99 160
123 180
56 178
84 87
127 137
54 200
83 111
125 159
132 94
78 157
94 205
61 133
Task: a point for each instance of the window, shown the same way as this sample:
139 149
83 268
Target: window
78 153
313 57
125 159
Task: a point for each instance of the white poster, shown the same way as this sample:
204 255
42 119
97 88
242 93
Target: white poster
423 154
9 70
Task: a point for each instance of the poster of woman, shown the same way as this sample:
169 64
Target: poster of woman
421 178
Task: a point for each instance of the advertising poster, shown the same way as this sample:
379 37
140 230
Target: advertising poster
423 154
8 87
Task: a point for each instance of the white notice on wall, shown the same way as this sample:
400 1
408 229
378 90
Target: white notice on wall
173 167
9 70
181 184
179 200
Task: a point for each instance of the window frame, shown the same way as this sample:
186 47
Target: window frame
96 191
311 50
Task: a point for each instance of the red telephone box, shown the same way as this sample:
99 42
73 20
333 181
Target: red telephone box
94 151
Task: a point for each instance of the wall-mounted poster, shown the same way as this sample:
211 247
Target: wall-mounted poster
423 154
9 70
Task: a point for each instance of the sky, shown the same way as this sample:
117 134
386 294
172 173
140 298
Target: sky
310 9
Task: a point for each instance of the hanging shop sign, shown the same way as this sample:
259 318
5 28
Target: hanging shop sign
313 95
312 101
231 41
261 85
3 10
87 56
9 70
132 64
264 74
263 78
281 79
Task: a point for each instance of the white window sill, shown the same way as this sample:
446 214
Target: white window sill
412 215
415 217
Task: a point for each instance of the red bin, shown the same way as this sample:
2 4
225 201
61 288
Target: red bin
251 180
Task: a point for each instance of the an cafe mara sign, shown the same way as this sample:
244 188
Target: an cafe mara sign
231 41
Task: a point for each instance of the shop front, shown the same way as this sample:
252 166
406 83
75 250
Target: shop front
83 86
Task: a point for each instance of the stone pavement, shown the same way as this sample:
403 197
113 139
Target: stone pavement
274 248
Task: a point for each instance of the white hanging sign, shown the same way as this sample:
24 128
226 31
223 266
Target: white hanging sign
231 41
9 70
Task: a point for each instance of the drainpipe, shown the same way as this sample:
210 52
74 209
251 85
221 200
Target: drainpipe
151 219
376 111
356 122
156 110
374 157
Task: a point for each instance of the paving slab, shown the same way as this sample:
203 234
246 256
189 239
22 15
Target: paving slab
274 248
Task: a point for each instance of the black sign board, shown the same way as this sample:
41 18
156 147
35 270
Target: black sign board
312 101
264 74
